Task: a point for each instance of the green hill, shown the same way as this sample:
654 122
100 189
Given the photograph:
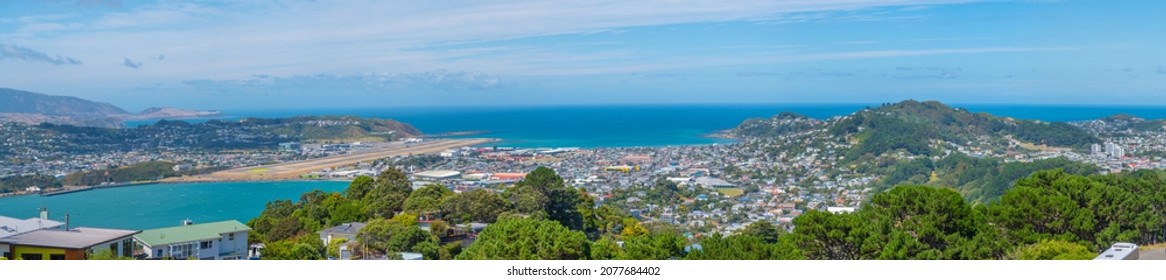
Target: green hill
912 126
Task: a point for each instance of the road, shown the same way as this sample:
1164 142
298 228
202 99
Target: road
1152 254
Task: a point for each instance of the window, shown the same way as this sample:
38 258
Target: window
8 255
182 251
159 254
205 245
31 256
127 247
231 236
57 257
113 249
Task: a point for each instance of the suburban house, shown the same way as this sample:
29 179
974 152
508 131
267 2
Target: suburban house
346 231
226 240
12 226
71 244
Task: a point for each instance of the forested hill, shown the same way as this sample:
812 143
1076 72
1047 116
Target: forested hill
331 127
913 125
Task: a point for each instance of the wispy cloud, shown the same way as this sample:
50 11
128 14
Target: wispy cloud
130 63
15 52
437 79
1162 70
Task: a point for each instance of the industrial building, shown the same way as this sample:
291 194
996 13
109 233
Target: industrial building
437 175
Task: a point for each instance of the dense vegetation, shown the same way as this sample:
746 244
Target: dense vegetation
20 182
912 125
150 170
978 179
1048 215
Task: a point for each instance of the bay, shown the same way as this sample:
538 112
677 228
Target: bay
163 205
594 126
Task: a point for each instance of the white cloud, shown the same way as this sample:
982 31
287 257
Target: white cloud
437 79
15 52
239 39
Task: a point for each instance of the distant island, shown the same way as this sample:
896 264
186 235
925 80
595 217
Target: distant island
35 108
157 113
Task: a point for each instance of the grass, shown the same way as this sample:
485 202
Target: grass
260 170
1152 247
731 192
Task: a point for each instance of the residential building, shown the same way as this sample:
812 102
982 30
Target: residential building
71 244
346 231
13 226
225 240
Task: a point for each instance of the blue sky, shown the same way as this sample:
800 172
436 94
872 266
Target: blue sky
336 54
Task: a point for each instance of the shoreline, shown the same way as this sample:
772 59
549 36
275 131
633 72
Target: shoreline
473 142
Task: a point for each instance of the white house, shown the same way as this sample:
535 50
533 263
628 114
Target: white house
226 240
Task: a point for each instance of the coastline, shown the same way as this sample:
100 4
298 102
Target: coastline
236 175
281 172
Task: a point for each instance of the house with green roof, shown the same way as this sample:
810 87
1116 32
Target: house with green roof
226 240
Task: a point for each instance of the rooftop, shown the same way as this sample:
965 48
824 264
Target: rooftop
190 233
438 173
12 226
78 238
346 228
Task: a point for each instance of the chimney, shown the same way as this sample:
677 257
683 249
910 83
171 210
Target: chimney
44 213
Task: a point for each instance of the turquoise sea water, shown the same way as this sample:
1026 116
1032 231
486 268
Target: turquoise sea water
162 205
643 125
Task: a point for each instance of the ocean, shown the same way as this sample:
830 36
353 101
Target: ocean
152 206
162 205
642 125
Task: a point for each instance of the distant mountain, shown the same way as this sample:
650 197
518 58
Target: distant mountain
24 102
35 108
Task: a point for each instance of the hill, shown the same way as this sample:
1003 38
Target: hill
24 102
35 108
912 126
172 113
913 142
310 128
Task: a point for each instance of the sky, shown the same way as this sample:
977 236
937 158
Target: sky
357 53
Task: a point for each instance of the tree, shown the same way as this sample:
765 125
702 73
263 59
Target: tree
527 239
427 199
386 198
359 187
606 248
105 254
306 247
1054 250
399 234
655 246
762 229
744 247
438 228
449 251
334 247
543 191
632 228
474 206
